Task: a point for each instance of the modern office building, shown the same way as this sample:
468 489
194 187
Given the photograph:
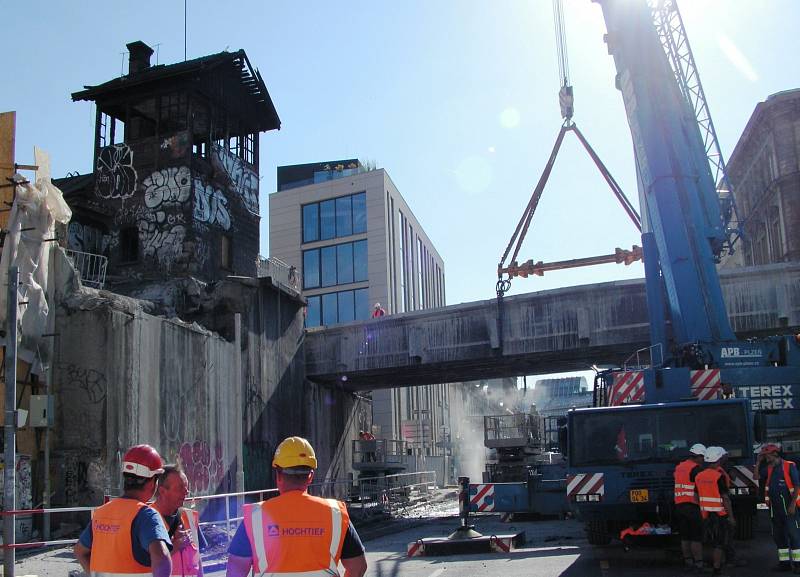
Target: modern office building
764 171
356 242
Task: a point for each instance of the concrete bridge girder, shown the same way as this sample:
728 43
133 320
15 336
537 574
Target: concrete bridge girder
548 331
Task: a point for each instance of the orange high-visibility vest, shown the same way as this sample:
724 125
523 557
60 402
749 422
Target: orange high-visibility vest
296 533
787 466
685 491
187 560
708 492
112 552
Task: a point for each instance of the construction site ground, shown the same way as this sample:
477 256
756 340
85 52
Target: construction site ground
553 548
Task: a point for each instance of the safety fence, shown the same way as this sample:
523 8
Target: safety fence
91 267
279 271
366 498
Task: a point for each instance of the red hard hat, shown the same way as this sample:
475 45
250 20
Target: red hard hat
769 448
142 461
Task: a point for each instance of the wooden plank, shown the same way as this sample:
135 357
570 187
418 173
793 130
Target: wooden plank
8 122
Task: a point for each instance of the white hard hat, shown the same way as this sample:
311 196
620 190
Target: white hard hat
714 454
377 305
698 449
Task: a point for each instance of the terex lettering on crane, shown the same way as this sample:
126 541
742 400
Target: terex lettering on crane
768 397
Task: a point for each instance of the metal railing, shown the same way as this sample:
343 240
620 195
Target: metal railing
279 271
654 357
365 497
380 451
91 267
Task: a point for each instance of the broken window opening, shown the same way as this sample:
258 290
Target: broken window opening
129 245
172 113
226 253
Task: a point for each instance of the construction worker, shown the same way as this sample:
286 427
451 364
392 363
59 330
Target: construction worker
126 536
715 505
378 311
182 524
295 533
687 508
782 493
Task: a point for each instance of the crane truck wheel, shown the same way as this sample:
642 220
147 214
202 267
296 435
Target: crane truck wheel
597 533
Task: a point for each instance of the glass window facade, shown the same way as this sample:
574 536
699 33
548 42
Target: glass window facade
311 269
328 259
334 265
338 307
311 222
313 312
335 218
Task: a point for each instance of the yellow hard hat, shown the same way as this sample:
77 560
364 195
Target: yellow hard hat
294 452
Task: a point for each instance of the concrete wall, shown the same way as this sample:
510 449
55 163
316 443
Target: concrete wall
123 377
279 402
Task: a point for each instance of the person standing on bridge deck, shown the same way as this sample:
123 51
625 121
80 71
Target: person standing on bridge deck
183 525
715 505
687 510
126 536
296 533
782 494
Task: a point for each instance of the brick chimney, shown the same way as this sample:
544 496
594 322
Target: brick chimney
139 56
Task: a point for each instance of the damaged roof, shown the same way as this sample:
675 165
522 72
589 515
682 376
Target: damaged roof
235 63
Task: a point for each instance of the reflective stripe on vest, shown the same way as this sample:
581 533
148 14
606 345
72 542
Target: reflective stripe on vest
710 500
112 549
187 560
684 488
787 476
296 534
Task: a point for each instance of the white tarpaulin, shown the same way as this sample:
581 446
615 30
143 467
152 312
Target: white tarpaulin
35 211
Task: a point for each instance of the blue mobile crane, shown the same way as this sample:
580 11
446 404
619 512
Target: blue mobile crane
623 451
699 384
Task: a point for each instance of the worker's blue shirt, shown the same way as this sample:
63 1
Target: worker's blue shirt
147 527
779 493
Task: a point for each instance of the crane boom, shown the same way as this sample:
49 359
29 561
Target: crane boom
669 24
681 202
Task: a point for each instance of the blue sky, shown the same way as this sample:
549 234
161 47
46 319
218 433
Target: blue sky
457 100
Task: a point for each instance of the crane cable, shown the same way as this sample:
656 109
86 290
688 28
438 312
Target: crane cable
566 103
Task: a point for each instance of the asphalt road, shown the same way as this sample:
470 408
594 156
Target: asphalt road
553 548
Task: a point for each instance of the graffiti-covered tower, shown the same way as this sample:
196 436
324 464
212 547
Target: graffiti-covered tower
175 186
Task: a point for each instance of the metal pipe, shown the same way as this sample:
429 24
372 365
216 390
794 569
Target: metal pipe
9 471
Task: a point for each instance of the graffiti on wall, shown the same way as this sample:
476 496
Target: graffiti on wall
86 238
210 205
92 383
203 465
114 174
82 405
243 179
84 480
168 187
160 243
160 221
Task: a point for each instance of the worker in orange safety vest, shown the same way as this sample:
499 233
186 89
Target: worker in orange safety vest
126 537
687 509
715 505
296 533
182 524
782 494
